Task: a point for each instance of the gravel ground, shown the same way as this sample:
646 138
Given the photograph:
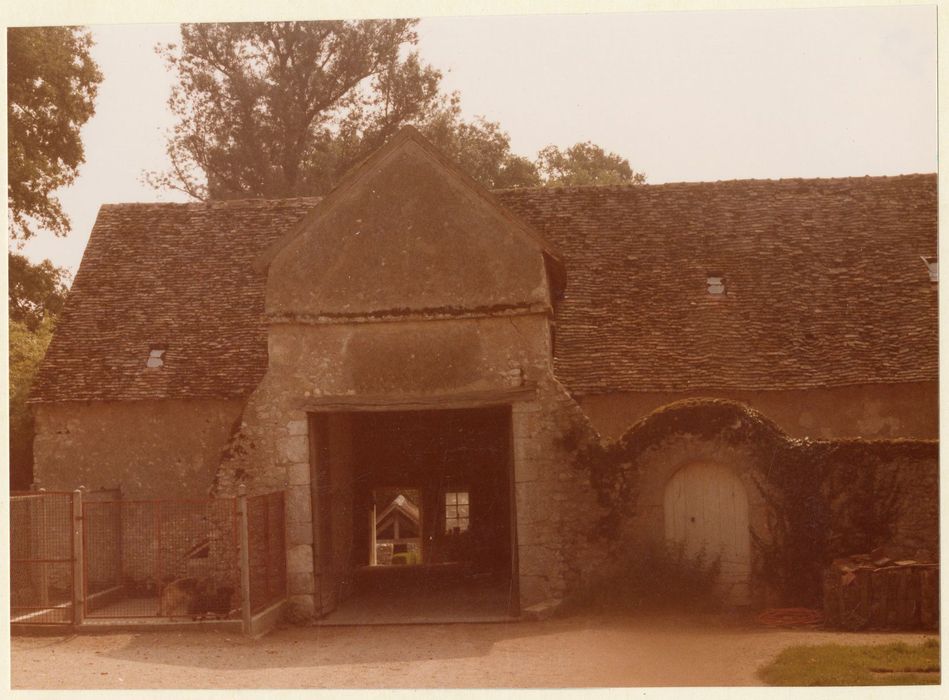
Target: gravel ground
583 651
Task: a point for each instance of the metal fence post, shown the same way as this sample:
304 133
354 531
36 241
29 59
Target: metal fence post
42 549
245 557
118 534
77 559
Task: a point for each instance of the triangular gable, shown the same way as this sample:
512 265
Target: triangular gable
372 161
423 202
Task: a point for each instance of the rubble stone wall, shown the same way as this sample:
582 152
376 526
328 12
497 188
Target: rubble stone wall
418 360
871 411
147 449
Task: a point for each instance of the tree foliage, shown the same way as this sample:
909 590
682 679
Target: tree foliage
585 164
37 295
481 148
27 347
37 290
282 109
51 88
277 109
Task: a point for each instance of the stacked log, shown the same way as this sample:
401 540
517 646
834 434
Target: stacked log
884 589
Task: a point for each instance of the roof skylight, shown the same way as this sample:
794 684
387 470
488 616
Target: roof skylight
155 357
716 284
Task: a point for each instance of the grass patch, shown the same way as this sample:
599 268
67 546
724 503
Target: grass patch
835 664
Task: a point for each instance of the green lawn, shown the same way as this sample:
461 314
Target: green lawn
835 664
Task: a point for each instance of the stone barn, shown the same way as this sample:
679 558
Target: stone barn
414 336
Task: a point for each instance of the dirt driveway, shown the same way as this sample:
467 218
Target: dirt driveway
578 651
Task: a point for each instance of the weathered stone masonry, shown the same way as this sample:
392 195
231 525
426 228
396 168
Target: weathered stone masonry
410 288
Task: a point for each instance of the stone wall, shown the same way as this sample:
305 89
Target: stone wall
315 363
557 510
912 469
879 411
905 469
147 449
646 529
917 526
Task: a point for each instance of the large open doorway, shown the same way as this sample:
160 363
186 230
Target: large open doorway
414 515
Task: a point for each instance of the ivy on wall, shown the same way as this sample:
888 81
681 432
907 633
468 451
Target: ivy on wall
825 499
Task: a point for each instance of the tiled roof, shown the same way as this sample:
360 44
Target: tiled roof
824 284
174 275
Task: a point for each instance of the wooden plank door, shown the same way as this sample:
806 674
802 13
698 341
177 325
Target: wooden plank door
706 506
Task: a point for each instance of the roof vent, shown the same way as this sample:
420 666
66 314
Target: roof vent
933 266
716 284
155 357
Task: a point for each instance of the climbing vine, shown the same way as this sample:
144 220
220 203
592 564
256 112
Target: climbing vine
824 499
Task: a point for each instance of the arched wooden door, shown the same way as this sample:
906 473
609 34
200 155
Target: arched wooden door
706 505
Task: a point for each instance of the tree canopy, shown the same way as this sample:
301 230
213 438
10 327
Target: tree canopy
51 88
282 109
37 290
27 347
277 109
585 164
37 295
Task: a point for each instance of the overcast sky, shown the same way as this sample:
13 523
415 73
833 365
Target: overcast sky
685 96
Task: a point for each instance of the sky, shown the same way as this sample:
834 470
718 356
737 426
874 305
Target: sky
684 96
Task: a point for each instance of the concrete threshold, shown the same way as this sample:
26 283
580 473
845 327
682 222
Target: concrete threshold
329 621
110 626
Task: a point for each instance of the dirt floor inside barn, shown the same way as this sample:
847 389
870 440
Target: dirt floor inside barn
580 651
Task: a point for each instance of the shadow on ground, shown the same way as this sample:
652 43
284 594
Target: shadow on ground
575 651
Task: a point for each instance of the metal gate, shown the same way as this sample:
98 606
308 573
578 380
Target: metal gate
43 557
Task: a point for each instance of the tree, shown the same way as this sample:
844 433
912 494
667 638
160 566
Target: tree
52 83
481 149
37 291
27 348
51 88
278 109
37 295
585 164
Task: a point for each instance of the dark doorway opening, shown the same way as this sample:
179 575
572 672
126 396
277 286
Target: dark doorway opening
414 514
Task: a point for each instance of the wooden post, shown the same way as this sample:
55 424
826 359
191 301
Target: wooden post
514 599
78 571
245 557
119 534
373 559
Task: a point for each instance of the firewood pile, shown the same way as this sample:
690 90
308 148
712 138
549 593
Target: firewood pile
889 588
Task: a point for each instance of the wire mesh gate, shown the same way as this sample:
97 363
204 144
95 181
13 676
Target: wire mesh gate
96 556
161 558
42 558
